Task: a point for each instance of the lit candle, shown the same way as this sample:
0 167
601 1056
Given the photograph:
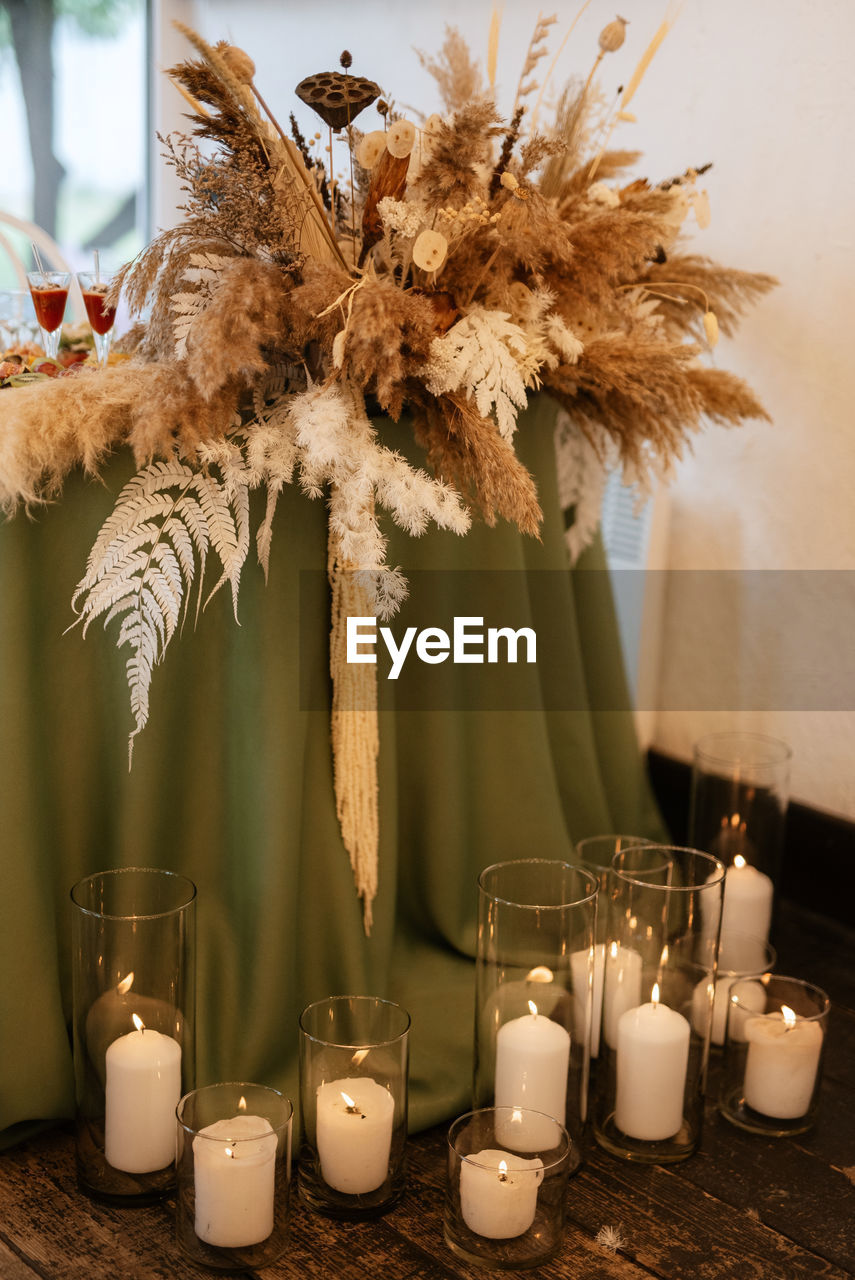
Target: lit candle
354 1134
652 1060
782 1064
532 1063
747 906
622 988
498 1193
143 1088
754 998
234 1173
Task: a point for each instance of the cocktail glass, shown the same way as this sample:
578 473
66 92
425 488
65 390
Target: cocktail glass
49 291
95 286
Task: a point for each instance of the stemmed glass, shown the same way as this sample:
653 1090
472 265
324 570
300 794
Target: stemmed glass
95 285
49 291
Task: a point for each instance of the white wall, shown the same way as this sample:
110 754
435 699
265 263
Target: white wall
762 88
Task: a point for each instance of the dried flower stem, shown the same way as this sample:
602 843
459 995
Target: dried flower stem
553 63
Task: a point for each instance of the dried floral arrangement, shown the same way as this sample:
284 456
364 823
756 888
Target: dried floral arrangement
465 262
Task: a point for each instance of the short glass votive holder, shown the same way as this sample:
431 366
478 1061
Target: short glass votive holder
234 1175
776 1029
506 1189
354 1057
739 956
654 1050
535 981
133 947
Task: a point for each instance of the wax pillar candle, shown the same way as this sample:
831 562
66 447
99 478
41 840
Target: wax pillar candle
652 1060
143 1087
579 962
354 1134
622 988
747 906
234 1174
782 1063
532 1063
754 998
498 1193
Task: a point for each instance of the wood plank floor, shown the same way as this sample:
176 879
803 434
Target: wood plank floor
743 1208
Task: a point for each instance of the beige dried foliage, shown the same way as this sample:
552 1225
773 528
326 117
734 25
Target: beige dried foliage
457 75
460 149
730 292
388 338
234 336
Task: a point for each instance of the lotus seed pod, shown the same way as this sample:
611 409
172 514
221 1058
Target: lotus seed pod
337 98
239 63
371 148
613 35
401 138
429 250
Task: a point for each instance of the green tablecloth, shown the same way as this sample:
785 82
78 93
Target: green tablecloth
232 785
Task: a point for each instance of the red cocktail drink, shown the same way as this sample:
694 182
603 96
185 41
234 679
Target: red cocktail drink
100 316
49 291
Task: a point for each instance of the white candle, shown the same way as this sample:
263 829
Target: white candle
143 1087
532 1063
234 1171
498 1193
354 1134
622 988
754 997
747 906
782 1062
652 1060
579 962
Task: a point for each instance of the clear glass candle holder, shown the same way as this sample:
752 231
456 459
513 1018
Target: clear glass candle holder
505 1196
739 956
776 1029
354 1053
737 812
534 990
133 933
234 1175
655 1032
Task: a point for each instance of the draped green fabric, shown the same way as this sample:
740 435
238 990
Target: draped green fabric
232 785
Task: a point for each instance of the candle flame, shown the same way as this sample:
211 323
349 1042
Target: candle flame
654 995
138 1022
532 1008
503 1170
229 1153
125 985
242 1104
739 861
540 974
734 820
613 951
789 1016
348 1101
516 1115
359 1057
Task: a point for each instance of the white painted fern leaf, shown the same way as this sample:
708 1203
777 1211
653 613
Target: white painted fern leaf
483 354
204 272
152 550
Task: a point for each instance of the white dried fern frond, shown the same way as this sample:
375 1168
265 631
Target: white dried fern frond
152 550
483 354
204 272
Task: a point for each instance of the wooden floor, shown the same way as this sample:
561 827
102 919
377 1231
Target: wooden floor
743 1208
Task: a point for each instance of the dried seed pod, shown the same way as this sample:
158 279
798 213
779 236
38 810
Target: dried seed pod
613 35
444 308
711 327
389 178
345 60
371 148
429 250
337 98
401 138
238 62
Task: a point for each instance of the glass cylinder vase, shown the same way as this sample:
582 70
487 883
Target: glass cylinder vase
776 1030
534 991
737 812
234 1175
656 1032
505 1199
133 933
354 1056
